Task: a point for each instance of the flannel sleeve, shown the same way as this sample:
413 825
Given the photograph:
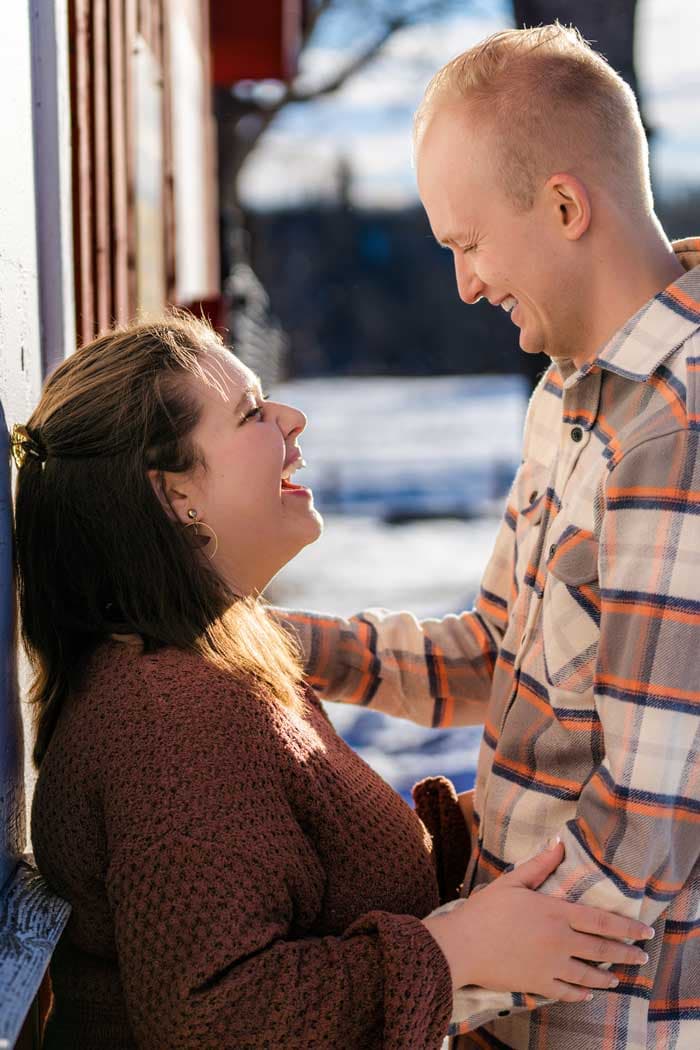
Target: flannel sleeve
634 840
436 672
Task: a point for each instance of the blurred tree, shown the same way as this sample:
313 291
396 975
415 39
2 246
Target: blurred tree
246 110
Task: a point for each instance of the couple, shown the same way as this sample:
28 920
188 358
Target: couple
238 876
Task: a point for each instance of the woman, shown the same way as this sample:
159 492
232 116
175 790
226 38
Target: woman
238 876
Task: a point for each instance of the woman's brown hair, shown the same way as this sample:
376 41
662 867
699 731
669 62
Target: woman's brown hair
95 551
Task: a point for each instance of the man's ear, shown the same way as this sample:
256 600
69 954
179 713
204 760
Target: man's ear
571 205
171 497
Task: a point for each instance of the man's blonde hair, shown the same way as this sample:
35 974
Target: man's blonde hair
553 104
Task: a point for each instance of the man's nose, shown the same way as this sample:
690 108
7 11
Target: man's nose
469 285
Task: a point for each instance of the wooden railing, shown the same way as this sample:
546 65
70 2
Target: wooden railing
32 919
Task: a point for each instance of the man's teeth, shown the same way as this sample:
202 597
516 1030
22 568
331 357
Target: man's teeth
298 464
509 303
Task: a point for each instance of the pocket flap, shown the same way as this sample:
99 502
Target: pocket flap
574 558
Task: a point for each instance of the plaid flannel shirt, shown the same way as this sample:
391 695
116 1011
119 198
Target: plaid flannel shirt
581 657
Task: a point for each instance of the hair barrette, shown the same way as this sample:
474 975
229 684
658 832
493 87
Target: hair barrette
22 444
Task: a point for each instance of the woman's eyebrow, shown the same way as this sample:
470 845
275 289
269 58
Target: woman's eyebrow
251 390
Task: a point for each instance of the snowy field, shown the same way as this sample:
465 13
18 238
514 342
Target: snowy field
382 450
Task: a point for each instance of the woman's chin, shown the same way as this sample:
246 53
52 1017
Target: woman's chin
305 532
313 528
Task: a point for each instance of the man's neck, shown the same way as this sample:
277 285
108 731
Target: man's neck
633 269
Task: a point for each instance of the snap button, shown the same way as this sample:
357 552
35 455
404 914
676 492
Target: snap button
552 550
504 1013
576 434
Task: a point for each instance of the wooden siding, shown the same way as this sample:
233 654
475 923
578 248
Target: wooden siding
103 37
108 39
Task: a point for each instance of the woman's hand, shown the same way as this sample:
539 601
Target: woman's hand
508 938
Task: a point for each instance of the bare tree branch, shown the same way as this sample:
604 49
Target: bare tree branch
315 15
336 82
235 147
392 25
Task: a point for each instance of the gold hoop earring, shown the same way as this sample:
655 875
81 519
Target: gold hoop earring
197 524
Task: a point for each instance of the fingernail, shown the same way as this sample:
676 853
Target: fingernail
614 982
650 932
645 959
554 842
589 997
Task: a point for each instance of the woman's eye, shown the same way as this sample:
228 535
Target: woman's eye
257 411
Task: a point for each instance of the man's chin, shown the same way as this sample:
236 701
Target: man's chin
532 342
532 346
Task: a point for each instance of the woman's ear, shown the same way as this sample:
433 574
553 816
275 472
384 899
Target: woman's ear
172 499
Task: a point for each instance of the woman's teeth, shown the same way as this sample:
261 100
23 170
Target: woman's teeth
509 303
298 464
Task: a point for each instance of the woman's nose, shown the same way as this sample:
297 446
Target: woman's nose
292 420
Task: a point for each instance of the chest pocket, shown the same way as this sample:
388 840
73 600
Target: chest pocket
571 611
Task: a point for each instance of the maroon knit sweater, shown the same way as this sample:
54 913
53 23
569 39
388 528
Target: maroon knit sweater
238 876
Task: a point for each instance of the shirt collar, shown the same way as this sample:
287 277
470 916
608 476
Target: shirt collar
656 330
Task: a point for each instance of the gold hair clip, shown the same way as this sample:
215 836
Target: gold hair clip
23 445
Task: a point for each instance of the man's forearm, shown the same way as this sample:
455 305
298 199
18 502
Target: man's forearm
433 672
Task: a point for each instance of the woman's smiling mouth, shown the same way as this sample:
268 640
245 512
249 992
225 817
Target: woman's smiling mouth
291 466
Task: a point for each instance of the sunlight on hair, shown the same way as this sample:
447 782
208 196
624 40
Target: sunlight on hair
547 102
96 554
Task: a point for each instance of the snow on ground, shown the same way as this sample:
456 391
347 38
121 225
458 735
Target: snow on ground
429 567
406 436
385 447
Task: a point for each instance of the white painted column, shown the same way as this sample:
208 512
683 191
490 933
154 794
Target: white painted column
36 312
54 184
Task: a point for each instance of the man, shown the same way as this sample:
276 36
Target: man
580 655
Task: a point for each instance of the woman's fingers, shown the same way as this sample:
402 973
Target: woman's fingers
569 993
606 924
532 873
577 972
598 949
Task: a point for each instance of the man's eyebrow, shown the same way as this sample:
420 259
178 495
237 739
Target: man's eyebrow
447 242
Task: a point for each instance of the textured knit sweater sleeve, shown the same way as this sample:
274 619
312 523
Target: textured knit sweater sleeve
437 804
213 885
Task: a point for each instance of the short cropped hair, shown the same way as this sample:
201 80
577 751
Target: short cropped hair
552 104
